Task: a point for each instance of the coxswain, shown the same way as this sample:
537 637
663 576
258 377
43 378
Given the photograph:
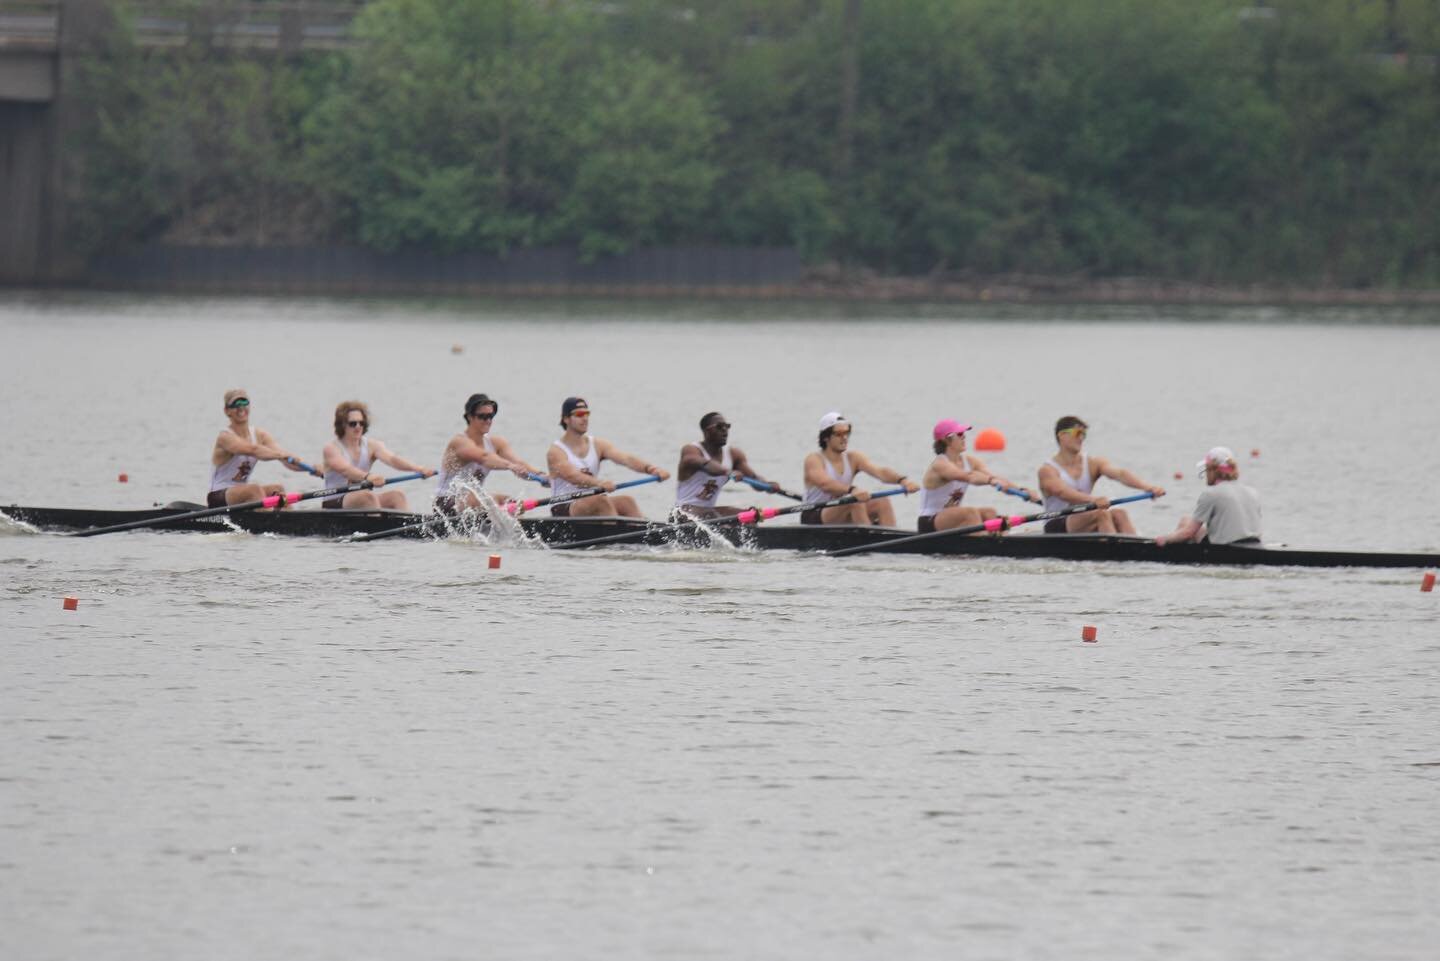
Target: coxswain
830 473
949 476
574 461
706 467
471 455
1069 478
237 449
1227 511
350 456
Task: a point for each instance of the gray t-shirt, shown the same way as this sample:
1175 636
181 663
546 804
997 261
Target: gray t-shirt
1230 512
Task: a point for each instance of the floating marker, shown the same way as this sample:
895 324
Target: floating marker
1254 452
1087 634
1179 476
989 439
71 603
457 349
123 478
1427 583
494 562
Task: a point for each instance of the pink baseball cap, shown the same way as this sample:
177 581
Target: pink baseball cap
946 427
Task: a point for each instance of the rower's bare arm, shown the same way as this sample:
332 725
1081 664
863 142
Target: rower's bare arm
336 460
817 476
1051 485
471 452
386 456
263 447
694 458
1189 529
1127 477
519 467
887 474
609 451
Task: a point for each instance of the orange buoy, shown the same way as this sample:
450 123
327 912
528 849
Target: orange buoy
989 439
494 562
1087 634
71 603
1427 583
123 478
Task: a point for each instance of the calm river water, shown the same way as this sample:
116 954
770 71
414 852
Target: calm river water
245 747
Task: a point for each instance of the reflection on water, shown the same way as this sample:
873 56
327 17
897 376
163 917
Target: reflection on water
391 750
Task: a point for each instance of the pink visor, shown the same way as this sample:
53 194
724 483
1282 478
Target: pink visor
946 427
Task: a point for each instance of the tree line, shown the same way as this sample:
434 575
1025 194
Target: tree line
1296 142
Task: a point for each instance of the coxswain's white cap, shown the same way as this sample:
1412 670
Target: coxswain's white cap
1216 457
831 419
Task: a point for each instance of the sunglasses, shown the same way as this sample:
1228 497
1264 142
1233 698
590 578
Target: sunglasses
579 413
1077 431
357 423
720 425
489 416
238 403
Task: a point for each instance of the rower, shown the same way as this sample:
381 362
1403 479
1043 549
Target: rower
706 467
349 457
1227 512
574 462
830 473
237 449
1069 478
949 476
471 455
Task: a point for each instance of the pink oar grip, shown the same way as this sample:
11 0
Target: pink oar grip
1016 520
769 512
746 517
995 524
292 498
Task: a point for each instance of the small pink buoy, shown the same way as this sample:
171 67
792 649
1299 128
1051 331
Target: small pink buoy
1087 634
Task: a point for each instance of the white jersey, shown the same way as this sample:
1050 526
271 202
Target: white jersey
814 495
589 464
1084 484
469 474
333 478
701 489
948 494
233 472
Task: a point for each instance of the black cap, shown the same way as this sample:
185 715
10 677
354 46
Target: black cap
477 401
571 405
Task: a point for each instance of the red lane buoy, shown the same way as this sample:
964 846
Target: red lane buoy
990 439
1254 452
1179 476
71 603
1427 583
494 562
123 478
1088 634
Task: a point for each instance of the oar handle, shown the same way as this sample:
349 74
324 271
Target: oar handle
760 485
1016 492
304 466
529 504
540 479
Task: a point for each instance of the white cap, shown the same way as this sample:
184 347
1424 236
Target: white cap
831 419
1217 456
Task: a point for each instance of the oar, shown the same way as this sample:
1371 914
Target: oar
770 488
1016 492
744 517
307 468
273 501
516 507
995 525
540 479
520 507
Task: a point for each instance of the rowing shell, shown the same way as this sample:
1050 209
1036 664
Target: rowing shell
791 537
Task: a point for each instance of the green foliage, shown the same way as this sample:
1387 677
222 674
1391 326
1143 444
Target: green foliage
1188 139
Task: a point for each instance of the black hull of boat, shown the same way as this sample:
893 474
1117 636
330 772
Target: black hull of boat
337 524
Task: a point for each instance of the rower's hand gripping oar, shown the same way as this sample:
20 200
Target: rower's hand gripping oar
1017 492
308 469
744 517
271 502
760 485
995 525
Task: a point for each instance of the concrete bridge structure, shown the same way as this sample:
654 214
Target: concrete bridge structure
40 42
